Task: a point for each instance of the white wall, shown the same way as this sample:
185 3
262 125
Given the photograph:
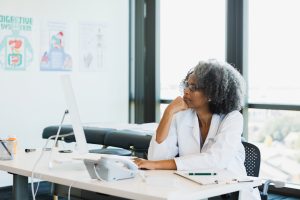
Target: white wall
32 99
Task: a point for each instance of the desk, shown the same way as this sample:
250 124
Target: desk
160 184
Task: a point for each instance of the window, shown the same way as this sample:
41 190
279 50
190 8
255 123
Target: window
273 80
274 46
277 134
190 31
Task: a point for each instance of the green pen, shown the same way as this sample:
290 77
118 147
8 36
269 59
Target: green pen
201 174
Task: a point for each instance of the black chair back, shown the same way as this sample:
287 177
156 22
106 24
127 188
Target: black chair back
252 159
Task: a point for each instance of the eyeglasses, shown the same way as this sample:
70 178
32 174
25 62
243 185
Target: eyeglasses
191 87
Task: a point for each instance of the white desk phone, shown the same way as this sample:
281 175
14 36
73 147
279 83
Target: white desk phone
109 169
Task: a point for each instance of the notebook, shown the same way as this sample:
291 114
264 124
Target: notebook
220 178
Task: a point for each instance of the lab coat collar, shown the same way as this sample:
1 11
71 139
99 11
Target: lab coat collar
192 121
189 120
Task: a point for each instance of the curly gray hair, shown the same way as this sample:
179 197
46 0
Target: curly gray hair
221 83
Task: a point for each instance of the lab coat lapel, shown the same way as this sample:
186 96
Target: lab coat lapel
196 129
191 124
213 129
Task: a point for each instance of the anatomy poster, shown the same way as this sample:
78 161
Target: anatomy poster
55 45
16 51
91 45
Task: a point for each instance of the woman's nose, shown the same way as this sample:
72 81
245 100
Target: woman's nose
186 90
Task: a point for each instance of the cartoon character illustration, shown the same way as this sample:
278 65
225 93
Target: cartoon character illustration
57 40
56 58
15 51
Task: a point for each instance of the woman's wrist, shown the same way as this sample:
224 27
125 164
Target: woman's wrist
169 112
164 164
155 165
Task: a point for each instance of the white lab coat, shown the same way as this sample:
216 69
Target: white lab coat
222 149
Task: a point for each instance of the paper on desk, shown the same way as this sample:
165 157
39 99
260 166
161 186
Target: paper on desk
220 178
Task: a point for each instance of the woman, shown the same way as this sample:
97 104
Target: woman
202 130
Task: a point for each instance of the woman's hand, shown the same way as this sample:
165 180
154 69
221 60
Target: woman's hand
145 164
176 105
158 164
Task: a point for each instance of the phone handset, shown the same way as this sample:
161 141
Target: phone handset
129 164
132 168
109 168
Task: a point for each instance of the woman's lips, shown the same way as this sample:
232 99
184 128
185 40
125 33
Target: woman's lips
186 100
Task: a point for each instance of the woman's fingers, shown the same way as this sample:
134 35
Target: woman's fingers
141 163
138 162
177 105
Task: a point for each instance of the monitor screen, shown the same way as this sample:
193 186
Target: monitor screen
74 114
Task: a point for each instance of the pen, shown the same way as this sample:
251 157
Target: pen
202 174
29 150
5 147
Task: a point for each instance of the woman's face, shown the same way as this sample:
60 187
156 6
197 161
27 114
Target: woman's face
193 96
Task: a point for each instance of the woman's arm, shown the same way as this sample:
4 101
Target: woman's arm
159 164
175 106
163 145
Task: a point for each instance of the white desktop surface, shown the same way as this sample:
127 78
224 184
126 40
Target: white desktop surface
159 184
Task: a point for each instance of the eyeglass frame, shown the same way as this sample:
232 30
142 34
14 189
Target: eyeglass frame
192 87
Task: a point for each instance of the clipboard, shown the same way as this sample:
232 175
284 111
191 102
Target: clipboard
215 179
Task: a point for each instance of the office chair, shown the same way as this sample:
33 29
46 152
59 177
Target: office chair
252 159
252 164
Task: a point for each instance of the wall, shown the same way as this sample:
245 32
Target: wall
32 99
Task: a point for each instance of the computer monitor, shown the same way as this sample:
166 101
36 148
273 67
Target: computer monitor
82 147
